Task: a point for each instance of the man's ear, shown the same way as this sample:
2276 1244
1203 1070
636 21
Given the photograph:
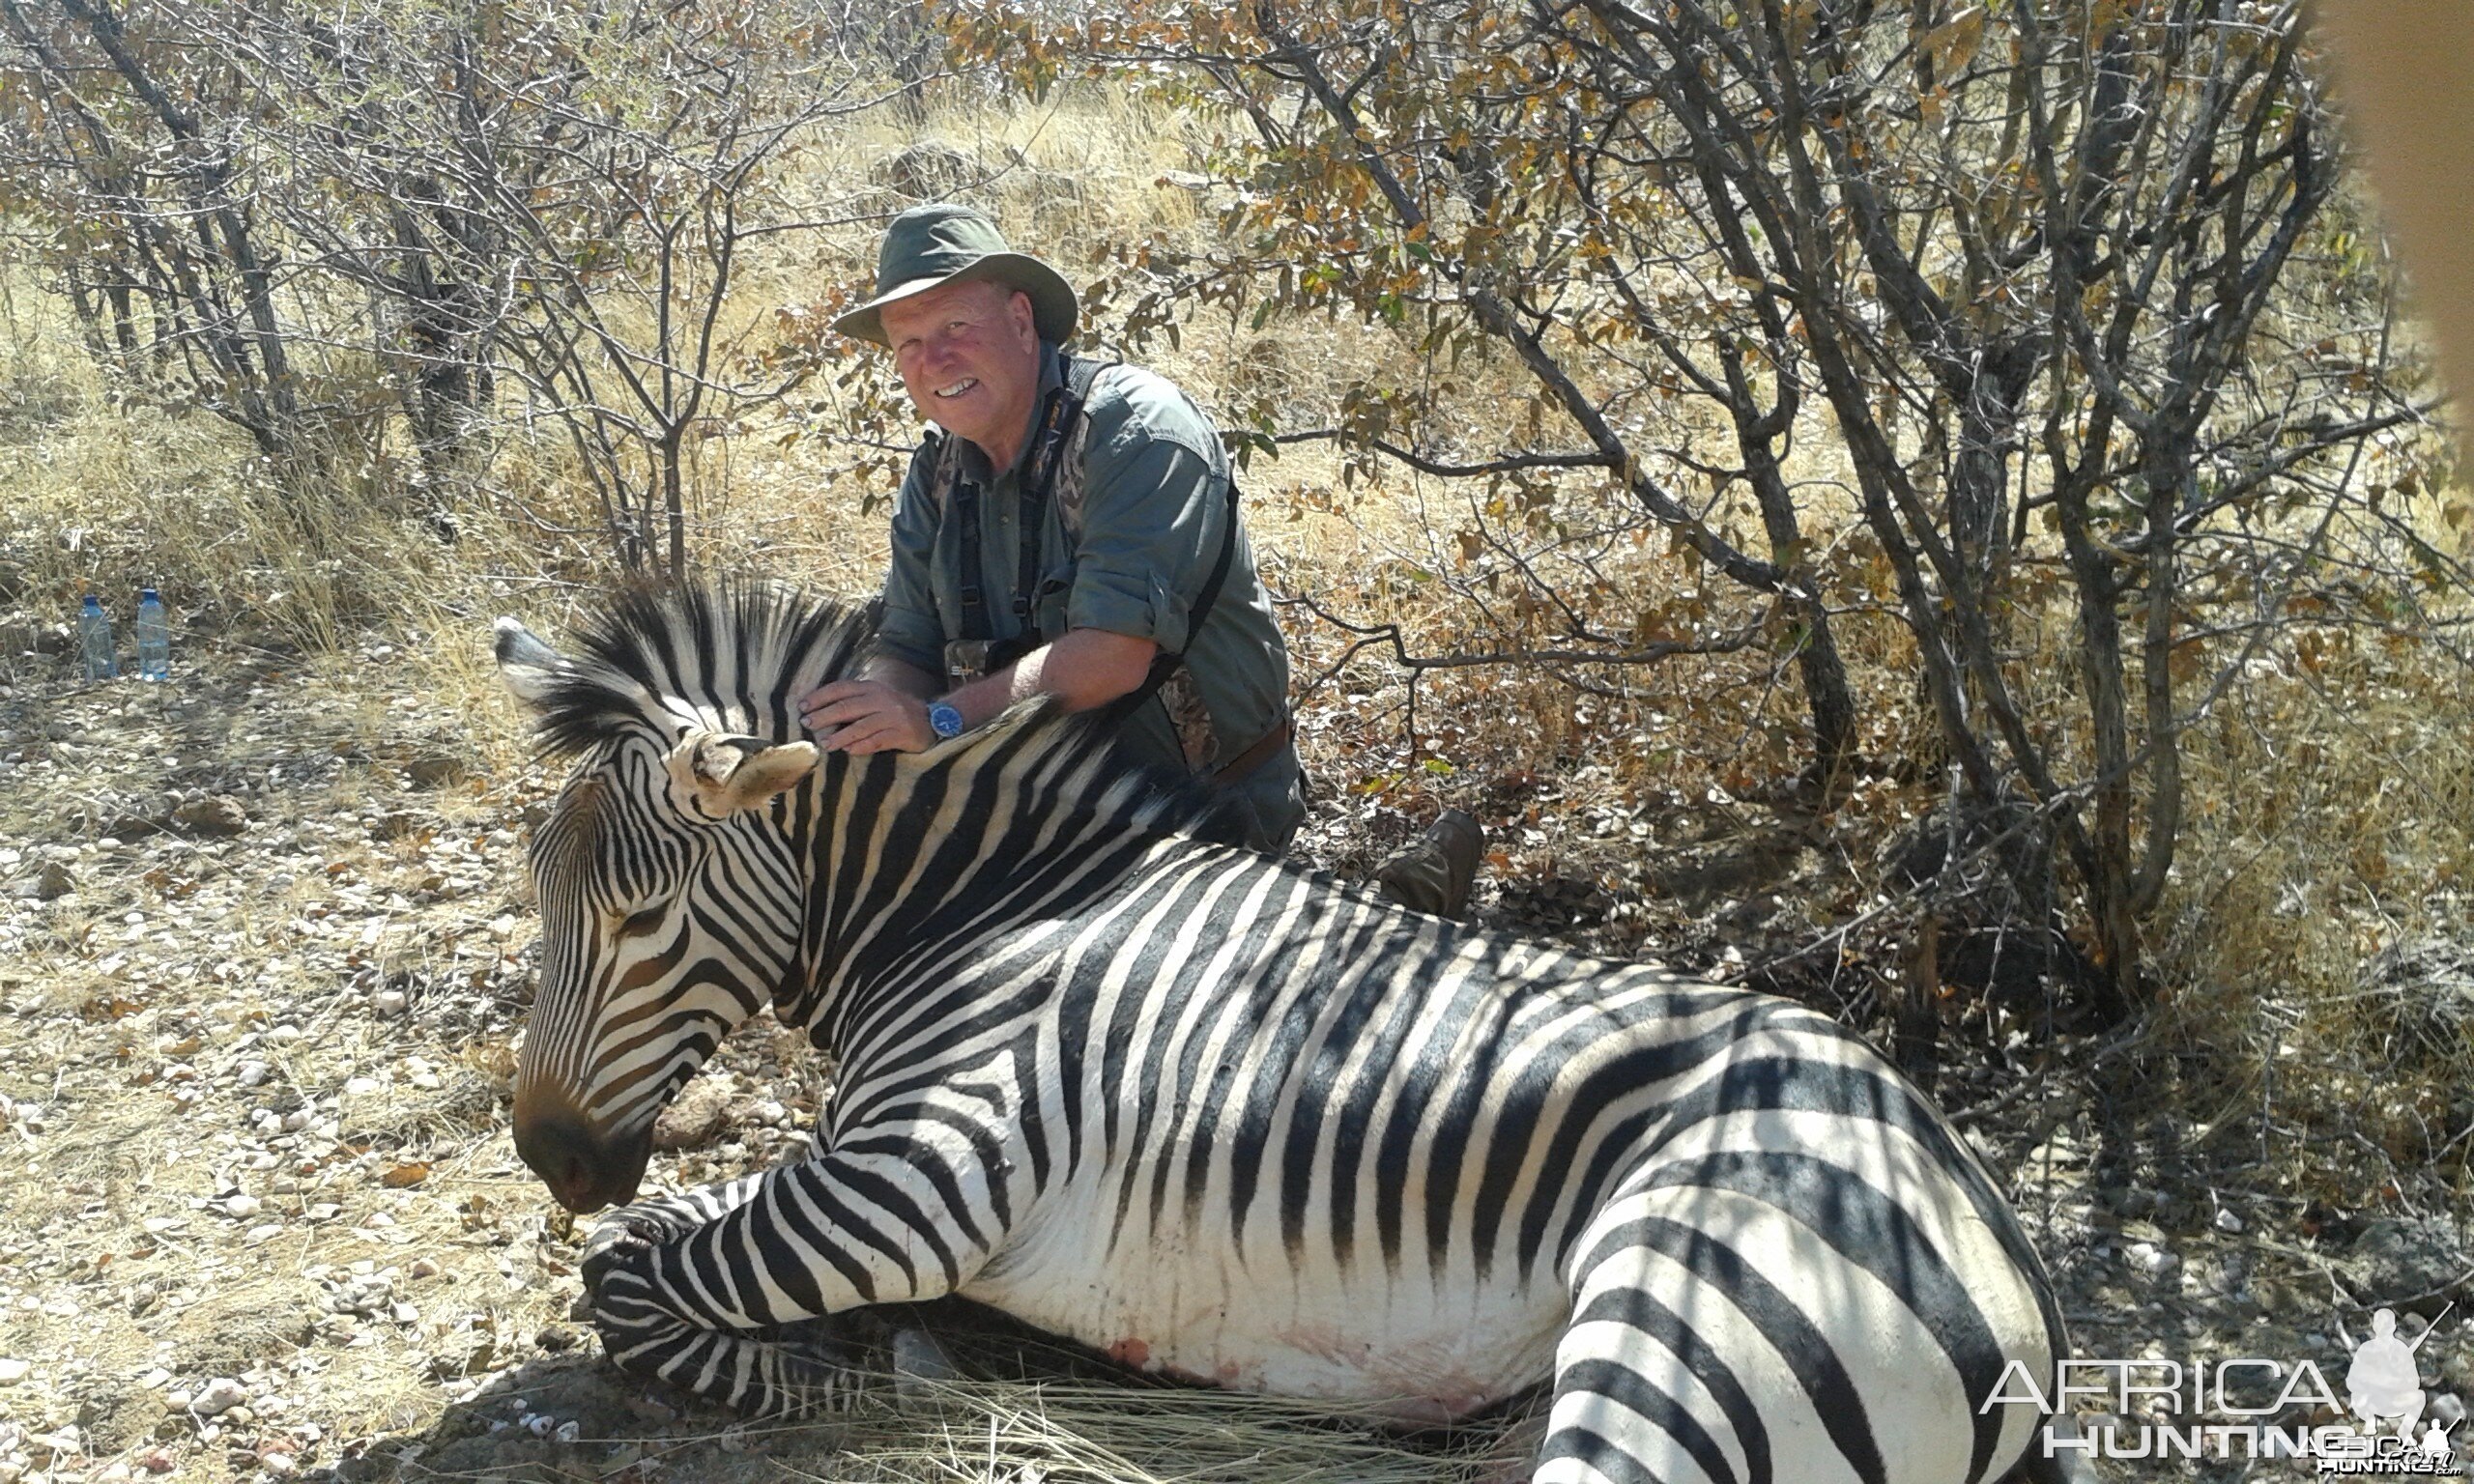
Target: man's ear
715 774
528 665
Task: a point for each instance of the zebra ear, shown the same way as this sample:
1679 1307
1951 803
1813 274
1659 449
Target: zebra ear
527 664
715 776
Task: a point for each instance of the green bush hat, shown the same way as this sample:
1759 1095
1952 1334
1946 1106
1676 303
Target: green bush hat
929 246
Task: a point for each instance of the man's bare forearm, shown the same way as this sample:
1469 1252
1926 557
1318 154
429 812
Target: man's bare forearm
1085 668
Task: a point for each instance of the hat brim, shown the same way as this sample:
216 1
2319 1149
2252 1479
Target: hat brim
1054 311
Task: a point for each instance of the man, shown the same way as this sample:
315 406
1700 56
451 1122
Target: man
1071 529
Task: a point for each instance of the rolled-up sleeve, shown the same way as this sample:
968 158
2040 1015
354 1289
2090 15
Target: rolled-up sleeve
1150 531
909 629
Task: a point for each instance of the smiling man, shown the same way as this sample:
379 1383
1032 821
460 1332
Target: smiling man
1071 528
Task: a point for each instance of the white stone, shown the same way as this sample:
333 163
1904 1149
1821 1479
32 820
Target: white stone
13 1371
361 1087
219 1396
241 1206
252 1073
387 1003
2151 1259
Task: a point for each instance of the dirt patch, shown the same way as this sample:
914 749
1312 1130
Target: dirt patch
260 1215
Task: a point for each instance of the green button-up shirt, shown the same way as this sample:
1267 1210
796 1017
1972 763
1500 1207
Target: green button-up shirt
1127 541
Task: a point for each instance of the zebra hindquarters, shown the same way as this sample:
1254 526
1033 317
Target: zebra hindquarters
1748 1315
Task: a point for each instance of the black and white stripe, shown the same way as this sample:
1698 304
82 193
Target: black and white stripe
1219 1115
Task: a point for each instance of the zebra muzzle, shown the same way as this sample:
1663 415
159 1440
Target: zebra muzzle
584 1169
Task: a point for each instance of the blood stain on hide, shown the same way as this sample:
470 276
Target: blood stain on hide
1131 1352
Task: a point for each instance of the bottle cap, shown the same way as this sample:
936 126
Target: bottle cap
94 602
146 595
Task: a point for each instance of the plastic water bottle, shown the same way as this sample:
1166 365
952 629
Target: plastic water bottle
154 637
94 647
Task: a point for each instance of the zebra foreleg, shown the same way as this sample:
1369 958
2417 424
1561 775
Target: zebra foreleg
641 1335
743 1260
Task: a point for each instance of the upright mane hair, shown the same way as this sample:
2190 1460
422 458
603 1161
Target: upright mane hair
759 645
719 639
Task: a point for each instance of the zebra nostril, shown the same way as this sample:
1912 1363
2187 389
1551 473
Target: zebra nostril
583 1169
573 1181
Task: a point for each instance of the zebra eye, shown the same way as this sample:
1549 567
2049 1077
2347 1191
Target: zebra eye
641 922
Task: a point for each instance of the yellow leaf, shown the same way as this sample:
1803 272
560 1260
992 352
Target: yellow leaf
404 1175
1952 44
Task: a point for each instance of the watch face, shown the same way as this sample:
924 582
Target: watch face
944 720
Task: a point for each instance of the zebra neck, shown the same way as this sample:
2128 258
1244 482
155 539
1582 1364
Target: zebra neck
920 875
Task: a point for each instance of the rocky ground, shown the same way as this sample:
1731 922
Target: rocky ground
263 946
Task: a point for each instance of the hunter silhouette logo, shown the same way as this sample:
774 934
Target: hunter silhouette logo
2381 1384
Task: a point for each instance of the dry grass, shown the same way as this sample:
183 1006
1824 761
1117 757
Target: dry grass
2333 819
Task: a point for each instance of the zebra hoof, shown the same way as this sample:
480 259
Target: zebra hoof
613 1252
623 1239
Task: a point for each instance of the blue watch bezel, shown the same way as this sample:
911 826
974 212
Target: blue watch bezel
945 719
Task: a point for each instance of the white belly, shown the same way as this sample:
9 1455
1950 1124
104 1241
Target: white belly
1194 1305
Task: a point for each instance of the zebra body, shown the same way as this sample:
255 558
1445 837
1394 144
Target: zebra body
1212 1114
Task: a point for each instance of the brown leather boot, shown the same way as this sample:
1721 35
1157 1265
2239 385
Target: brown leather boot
1432 873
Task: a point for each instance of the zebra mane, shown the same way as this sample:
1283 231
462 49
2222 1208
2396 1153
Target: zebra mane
750 648
724 643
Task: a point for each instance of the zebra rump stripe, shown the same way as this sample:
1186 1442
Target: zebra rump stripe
1212 1114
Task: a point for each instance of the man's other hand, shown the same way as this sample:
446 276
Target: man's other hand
867 716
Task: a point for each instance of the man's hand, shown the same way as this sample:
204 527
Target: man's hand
867 716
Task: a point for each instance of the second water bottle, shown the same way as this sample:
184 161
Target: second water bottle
95 650
154 637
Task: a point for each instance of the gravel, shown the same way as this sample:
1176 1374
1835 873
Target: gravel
259 1213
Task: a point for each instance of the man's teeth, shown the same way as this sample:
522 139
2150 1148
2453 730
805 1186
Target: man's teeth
958 387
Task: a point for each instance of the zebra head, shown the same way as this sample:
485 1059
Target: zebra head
668 872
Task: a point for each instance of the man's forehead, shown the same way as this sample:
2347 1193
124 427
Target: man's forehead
977 294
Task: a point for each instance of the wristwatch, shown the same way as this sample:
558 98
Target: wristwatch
944 719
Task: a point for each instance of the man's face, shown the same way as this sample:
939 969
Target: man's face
970 358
